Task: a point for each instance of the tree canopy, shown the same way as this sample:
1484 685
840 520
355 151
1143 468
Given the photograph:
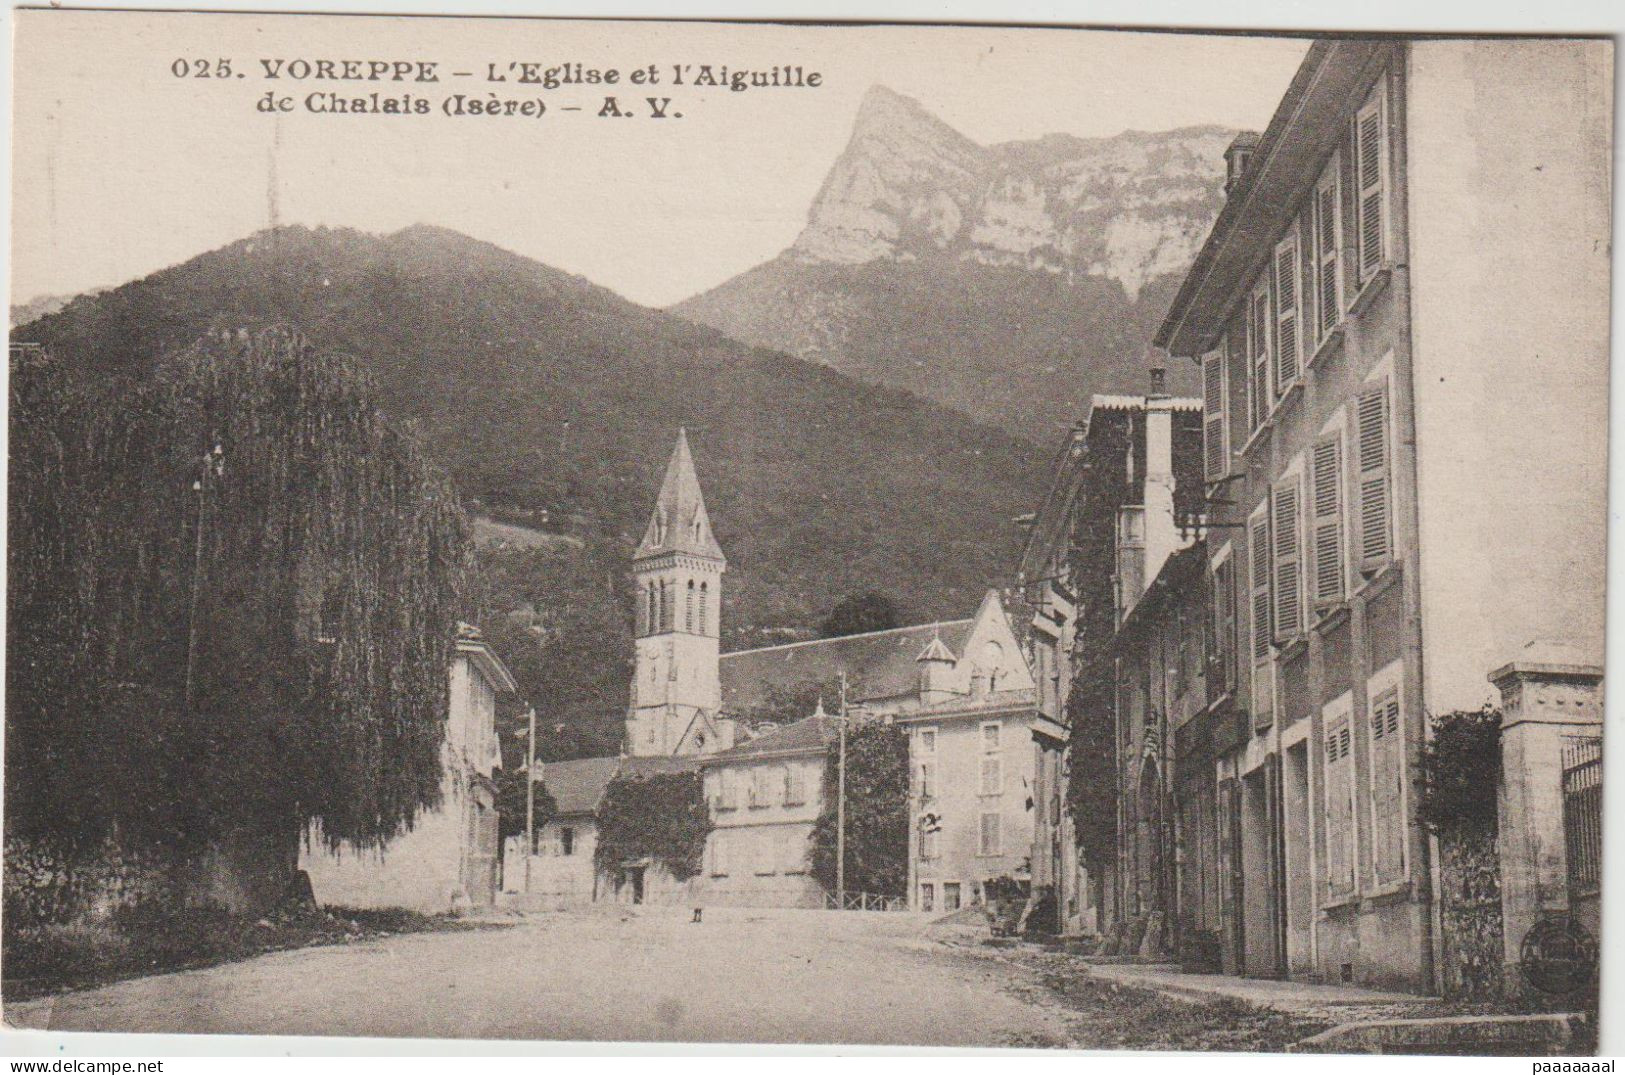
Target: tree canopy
233 593
876 812
861 613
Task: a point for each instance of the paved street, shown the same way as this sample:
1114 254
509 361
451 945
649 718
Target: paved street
605 974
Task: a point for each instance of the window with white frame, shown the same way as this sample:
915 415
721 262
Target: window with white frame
1258 584
1386 742
1288 314
1286 533
1370 204
1328 250
990 836
991 773
1258 353
795 786
1339 791
794 844
1327 570
1215 416
1223 605
930 843
1374 476
726 790
761 786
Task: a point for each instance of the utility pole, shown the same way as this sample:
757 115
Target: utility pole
840 809
530 792
214 466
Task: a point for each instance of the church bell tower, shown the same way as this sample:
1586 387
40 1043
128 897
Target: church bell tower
676 690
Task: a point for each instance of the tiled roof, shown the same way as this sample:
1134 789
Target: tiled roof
880 664
578 786
810 735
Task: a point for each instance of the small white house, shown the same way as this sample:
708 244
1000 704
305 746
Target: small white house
448 861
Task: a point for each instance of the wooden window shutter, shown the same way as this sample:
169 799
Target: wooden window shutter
1375 532
1258 547
1215 425
1286 313
1258 343
1328 255
1339 808
1370 161
1387 774
1224 585
1326 511
1287 530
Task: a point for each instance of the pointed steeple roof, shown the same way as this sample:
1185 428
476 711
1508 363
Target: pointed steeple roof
679 523
936 651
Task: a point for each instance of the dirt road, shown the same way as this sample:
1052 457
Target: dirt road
644 973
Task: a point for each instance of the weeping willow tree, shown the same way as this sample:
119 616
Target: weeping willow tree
233 592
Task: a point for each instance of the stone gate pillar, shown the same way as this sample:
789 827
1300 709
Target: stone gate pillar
1552 691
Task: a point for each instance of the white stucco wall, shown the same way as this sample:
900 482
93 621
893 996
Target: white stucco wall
1508 196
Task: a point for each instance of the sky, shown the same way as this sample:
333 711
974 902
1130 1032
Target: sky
121 168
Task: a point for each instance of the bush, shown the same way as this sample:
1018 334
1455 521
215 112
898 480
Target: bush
1459 771
663 817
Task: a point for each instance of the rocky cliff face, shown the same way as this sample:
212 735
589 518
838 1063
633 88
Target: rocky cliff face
1071 248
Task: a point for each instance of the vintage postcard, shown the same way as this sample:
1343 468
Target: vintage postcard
819 534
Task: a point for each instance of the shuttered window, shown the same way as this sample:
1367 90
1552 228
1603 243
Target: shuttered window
1375 529
1339 807
992 776
1387 796
1328 298
767 853
1224 624
1258 551
1287 531
794 854
1215 421
1371 178
1326 526
1258 351
794 786
991 835
1287 314
927 779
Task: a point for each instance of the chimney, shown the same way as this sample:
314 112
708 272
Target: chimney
1237 158
1161 535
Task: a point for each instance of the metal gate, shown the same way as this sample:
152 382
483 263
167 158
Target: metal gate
1582 814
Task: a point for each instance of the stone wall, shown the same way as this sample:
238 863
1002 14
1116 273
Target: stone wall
43 887
1470 906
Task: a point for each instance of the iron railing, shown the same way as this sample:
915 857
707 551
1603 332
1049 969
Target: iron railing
1582 814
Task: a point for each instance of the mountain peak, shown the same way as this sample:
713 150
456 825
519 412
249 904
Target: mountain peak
898 153
908 187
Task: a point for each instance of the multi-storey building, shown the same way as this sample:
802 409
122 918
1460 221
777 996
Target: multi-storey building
1401 315
1108 522
765 795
